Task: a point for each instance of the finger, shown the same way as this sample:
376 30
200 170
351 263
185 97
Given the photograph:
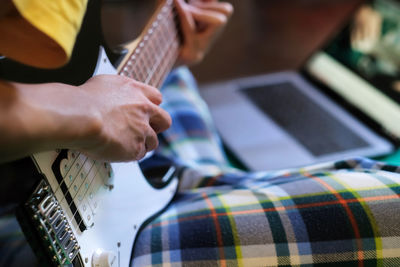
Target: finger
187 22
152 93
208 1
160 120
141 152
151 142
208 17
209 23
220 7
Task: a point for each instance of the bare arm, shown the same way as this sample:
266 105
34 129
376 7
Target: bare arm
22 42
109 117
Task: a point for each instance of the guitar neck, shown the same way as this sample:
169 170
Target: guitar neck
154 53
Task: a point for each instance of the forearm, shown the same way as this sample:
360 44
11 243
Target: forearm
36 118
110 117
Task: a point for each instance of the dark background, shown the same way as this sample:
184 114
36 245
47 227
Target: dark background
263 35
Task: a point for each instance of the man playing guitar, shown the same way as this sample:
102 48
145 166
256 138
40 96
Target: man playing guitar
335 213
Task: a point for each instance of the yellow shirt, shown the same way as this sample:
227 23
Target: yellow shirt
42 32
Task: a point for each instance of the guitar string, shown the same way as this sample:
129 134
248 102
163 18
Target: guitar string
77 156
140 65
163 62
169 65
170 54
159 68
159 26
136 69
160 63
155 77
173 55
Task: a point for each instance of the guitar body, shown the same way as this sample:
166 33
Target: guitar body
117 209
77 211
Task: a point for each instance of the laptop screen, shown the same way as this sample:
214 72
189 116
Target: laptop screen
362 64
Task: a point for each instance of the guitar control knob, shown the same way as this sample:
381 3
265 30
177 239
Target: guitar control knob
103 258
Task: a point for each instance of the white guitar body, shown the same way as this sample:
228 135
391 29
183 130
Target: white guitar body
113 210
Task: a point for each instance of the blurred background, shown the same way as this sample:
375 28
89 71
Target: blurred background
263 36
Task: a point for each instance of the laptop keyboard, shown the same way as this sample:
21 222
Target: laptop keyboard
306 121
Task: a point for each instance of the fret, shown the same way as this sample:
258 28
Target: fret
144 66
160 61
141 69
164 59
165 66
156 50
168 65
147 59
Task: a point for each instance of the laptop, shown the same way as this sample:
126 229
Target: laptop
343 102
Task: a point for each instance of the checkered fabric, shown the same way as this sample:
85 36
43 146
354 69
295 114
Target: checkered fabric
343 213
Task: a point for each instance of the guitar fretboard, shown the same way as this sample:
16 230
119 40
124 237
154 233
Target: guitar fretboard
156 49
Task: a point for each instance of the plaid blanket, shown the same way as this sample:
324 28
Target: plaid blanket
346 212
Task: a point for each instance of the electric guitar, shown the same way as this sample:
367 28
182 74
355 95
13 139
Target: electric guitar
83 212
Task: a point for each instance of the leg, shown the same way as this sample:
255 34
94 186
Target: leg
345 213
192 136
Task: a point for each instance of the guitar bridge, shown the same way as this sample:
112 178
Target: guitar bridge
46 227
